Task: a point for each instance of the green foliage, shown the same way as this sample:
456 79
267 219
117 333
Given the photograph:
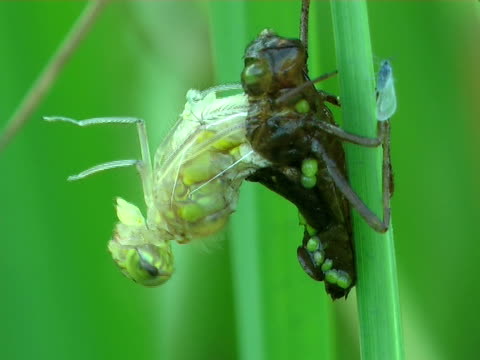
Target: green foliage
377 285
246 297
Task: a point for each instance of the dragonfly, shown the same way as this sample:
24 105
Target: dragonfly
289 124
276 130
190 189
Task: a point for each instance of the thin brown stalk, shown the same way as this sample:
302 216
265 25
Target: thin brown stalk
50 73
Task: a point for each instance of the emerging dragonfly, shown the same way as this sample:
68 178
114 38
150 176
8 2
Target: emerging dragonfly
279 133
192 187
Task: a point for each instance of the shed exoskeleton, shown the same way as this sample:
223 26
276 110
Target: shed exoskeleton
289 124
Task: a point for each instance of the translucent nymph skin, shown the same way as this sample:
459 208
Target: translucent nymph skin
193 189
283 132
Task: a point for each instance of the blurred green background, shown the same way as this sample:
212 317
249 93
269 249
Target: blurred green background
244 297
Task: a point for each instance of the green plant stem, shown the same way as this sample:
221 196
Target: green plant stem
377 289
47 78
229 39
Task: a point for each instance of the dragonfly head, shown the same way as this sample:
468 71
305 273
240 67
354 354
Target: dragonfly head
140 252
273 63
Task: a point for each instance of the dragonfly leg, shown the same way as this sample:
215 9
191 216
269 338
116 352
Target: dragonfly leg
342 184
220 88
383 139
349 137
387 173
289 96
144 166
331 98
102 167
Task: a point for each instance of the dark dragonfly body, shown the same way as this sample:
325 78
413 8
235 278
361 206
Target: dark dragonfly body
284 127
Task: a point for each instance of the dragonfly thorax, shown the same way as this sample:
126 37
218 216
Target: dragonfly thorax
200 166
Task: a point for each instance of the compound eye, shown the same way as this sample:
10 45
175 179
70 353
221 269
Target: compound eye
148 266
256 78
